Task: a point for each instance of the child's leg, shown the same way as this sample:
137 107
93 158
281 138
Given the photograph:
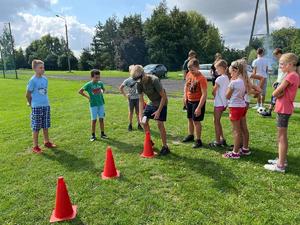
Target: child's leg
93 125
163 134
101 121
130 113
35 137
190 126
245 133
198 129
236 125
46 135
218 126
282 145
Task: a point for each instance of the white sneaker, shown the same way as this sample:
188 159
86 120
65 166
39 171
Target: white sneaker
255 107
274 168
274 161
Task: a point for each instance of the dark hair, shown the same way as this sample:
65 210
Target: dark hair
193 62
192 53
95 72
260 51
277 51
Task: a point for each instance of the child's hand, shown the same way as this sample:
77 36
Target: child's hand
197 112
156 114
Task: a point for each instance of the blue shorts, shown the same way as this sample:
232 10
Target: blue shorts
40 118
97 112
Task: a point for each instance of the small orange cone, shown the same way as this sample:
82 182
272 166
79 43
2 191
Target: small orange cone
148 149
64 210
110 170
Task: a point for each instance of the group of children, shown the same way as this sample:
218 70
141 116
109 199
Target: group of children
231 90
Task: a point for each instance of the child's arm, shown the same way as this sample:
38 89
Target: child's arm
141 106
162 103
121 88
229 93
202 100
215 88
278 92
28 97
81 92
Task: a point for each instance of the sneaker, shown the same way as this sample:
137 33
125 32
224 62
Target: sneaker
274 161
140 127
37 150
245 152
215 144
93 138
266 114
50 145
103 136
184 109
274 168
130 127
188 138
255 107
197 144
231 155
164 151
223 142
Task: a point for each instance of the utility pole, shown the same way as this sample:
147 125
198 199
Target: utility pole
254 20
2 62
67 41
13 48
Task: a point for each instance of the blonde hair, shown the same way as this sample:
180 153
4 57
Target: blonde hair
36 62
241 66
136 71
130 68
289 58
221 63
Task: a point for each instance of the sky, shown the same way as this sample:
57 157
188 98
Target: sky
31 19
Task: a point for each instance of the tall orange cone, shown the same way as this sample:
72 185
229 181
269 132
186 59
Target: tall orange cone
64 210
148 149
110 170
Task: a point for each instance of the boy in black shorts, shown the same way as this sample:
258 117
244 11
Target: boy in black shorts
157 108
195 98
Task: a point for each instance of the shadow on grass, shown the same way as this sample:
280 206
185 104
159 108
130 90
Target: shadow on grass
224 179
261 157
70 161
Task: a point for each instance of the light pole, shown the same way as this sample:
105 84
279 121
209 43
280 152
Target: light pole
67 41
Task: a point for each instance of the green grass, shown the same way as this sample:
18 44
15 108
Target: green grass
187 187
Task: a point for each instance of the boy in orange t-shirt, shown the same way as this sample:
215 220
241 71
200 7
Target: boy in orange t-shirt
195 94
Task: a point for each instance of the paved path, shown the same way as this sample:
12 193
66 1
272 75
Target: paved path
171 86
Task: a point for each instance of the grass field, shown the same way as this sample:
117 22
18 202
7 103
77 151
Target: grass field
187 187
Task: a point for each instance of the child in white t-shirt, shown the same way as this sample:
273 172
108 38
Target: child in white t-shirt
220 102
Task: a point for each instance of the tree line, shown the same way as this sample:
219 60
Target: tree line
165 37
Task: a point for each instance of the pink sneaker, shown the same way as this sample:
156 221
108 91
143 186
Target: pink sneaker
231 155
245 152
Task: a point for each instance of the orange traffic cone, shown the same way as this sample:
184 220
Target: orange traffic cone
110 170
148 150
64 210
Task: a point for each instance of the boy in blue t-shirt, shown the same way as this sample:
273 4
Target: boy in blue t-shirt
37 99
95 90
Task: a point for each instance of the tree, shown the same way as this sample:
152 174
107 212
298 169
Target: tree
284 38
62 62
7 51
86 60
232 54
20 59
132 47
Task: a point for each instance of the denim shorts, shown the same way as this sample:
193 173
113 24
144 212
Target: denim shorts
97 112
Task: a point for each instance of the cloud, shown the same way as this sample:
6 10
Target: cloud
234 18
80 35
281 22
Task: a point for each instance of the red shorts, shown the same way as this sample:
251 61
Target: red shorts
237 113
